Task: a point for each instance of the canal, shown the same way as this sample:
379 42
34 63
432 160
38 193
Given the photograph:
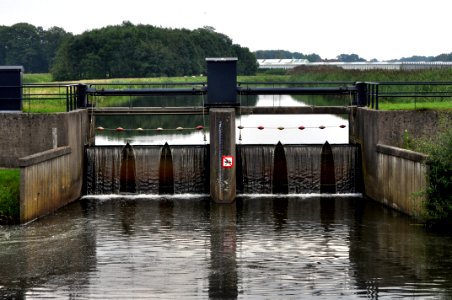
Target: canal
270 134
262 246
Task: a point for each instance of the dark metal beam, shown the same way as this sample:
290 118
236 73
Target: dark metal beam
294 110
144 92
244 110
298 91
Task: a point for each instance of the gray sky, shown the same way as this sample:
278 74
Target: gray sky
382 29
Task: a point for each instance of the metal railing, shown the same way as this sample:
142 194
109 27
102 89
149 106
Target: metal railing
417 92
72 96
60 95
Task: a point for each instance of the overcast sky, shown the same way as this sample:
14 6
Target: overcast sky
382 29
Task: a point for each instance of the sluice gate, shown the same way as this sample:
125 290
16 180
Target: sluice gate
260 169
224 169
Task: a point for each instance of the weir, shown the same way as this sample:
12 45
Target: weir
227 169
260 169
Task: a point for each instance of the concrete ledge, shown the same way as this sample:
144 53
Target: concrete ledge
402 153
44 156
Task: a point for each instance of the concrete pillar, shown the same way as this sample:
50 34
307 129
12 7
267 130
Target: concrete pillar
54 138
222 155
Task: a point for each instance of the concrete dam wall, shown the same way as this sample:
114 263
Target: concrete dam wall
392 175
49 149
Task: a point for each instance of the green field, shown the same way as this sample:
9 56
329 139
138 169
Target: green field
299 75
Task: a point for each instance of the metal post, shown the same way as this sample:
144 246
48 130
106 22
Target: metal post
221 98
67 99
81 96
376 96
361 89
372 95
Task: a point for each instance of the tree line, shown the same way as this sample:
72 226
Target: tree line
284 54
119 51
29 46
129 50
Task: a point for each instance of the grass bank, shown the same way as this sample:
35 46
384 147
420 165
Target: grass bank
300 74
412 105
9 196
37 78
331 74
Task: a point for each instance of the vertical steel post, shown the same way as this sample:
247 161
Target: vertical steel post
376 96
67 99
361 89
81 96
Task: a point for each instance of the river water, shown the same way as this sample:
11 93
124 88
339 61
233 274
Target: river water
312 134
261 247
300 246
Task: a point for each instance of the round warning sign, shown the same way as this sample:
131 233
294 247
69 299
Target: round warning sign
227 161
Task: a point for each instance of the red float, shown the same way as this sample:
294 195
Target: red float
199 127
120 129
342 126
322 127
301 127
260 127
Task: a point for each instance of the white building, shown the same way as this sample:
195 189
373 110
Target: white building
292 63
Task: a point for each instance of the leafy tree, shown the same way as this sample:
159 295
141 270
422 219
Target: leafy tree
51 40
349 58
444 57
30 46
3 46
247 63
23 47
313 57
283 54
129 50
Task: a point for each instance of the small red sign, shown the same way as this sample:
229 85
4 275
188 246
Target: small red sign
227 161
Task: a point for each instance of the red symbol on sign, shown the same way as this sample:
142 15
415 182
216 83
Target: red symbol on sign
227 161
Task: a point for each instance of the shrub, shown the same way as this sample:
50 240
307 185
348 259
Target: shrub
439 196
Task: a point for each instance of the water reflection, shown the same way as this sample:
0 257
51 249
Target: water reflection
223 240
250 135
261 247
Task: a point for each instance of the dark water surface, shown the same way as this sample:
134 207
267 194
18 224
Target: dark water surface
261 247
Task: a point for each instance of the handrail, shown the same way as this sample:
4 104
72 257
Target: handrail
373 91
407 89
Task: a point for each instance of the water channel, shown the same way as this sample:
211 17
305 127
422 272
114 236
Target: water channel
291 134
261 247
264 246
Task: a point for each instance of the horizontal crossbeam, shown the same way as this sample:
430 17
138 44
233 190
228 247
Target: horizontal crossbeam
244 110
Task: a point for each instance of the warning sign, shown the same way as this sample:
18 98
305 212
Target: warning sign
227 161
